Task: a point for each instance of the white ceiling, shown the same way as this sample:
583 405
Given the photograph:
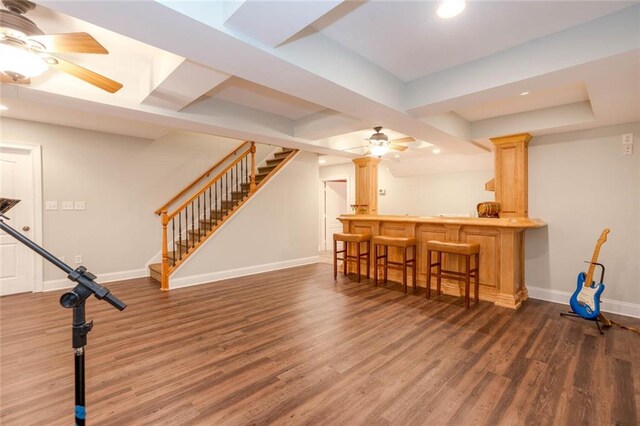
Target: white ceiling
255 96
61 115
531 101
409 40
451 83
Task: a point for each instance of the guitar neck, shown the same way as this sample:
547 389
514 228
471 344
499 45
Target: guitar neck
594 258
592 266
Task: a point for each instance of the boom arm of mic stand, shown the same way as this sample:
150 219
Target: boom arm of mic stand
79 275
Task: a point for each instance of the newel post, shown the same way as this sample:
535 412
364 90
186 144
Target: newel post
252 185
164 283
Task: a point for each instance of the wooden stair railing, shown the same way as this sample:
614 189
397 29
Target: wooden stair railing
200 178
188 226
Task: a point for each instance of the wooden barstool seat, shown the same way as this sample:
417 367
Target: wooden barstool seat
404 244
358 239
462 249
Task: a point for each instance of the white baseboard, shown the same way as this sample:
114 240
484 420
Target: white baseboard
102 279
562 297
239 272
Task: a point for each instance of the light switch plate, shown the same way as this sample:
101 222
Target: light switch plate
51 205
80 205
67 205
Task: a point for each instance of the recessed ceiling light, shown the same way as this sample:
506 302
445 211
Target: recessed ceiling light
396 156
436 151
524 93
322 161
450 8
3 107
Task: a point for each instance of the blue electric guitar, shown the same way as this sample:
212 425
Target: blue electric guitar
586 299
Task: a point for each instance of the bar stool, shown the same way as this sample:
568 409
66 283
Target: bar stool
404 244
462 249
346 239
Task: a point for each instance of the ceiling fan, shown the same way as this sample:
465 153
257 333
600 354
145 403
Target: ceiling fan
379 144
26 51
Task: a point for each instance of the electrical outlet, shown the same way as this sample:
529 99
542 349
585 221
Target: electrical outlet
51 205
627 144
78 259
80 205
627 149
67 205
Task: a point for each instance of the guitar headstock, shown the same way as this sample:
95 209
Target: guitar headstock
603 236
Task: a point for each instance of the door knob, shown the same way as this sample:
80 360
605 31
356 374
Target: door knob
25 228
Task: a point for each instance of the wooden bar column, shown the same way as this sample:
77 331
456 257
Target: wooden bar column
367 185
511 181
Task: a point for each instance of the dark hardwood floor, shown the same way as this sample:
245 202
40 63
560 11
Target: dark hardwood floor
294 347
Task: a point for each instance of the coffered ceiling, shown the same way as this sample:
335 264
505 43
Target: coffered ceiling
317 74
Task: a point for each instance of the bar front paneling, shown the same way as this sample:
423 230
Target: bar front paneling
501 249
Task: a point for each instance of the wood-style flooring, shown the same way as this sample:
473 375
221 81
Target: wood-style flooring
295 347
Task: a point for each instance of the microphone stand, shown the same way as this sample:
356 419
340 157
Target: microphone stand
75 298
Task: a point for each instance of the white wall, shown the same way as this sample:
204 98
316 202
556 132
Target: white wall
271 231
427 195
580 183
433 194
123 180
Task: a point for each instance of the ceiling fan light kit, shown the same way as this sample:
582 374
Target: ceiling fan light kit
379 150
25 51
379 143
18 62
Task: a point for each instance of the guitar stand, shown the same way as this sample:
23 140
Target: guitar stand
574 315
597 319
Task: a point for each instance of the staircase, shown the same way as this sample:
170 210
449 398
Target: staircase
188 226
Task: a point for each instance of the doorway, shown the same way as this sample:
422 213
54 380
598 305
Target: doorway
20 178
335 203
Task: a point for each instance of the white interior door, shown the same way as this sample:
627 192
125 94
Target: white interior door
17 262
335 204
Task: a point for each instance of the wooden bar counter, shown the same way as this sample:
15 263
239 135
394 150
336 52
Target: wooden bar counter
501 249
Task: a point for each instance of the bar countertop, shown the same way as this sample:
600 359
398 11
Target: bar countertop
451 220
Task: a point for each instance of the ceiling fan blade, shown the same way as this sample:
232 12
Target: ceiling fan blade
407 139
90 77
394 147
4 78
70 43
